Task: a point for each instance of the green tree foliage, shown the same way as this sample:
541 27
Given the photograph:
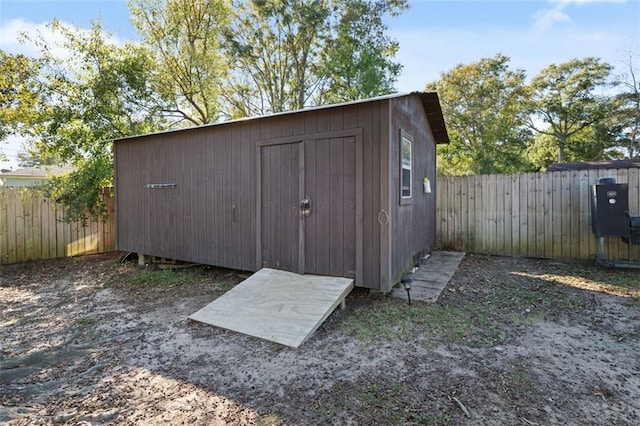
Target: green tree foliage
189 67
358 61
275 45
482 105
592 143
19 93
565 100
30 157
295 53
98 93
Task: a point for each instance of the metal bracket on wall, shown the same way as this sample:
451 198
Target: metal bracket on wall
160 185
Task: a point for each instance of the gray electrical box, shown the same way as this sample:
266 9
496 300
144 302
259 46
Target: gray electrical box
610 209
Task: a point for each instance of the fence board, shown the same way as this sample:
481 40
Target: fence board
32 227
585 215
27 226
507 192
464 217
532 241
4 232
515 216
37 227
547 212
556 215
476 217
441 195
48 229
108 239
458 212
539 215
487 221
20 220
11 255
60 225
523 223
451 214
471 213
543 215
634 205
565 220
499 189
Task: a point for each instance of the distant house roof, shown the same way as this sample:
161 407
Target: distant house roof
594 165
39 172
32 176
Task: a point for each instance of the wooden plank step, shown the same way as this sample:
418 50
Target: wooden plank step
432 276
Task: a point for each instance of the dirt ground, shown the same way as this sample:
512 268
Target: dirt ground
89 340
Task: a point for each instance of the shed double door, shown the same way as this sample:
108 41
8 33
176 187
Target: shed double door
308 206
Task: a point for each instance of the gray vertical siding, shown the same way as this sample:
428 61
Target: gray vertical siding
213 217
193 221
385 181
369 120
412 225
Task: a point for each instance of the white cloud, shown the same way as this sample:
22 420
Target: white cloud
546 18
13 41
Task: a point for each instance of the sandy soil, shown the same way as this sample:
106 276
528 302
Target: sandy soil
88 340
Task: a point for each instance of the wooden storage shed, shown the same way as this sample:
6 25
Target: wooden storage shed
336 190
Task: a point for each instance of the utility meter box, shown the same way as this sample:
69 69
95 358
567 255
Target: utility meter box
610 209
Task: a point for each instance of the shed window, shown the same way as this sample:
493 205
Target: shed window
405 168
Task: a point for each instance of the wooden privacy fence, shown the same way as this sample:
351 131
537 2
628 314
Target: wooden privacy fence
545 215
33 227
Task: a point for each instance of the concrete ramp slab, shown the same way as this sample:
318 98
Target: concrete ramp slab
432 276
278 306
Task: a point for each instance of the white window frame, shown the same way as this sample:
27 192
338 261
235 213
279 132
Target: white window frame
404 140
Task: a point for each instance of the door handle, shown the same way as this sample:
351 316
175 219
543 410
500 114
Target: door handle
305 206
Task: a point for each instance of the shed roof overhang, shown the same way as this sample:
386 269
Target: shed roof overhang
430 103
433 111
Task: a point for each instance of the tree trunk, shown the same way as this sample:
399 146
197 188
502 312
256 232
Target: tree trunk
561 142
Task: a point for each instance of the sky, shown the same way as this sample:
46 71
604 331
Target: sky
434 35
